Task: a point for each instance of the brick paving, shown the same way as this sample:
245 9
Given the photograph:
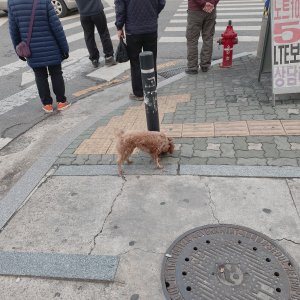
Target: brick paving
223 117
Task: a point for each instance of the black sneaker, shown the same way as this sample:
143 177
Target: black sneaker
95 63
110 61
204 69
134 97
191 71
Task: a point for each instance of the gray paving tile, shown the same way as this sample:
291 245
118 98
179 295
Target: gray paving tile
59 266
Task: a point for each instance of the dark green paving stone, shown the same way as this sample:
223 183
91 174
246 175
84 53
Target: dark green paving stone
66 155
169 160
260 139
282 143
249 154
59 266
282 162
221 161
219 140
207 153
79 161
107 158
184 140
64 161
200 144
240 143
187 150
227 150
193 161
270 150
294 139
258 117
289 153
252 161
69 151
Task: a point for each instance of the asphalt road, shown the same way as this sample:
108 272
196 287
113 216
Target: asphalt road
20 108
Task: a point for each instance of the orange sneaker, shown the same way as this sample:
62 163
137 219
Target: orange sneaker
48 108
63 105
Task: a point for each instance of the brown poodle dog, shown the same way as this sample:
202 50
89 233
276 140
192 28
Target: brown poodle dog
152 142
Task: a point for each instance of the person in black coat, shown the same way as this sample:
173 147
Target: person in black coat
91 15
140 18
48 47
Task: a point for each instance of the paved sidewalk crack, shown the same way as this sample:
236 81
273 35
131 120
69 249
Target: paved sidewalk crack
288 240
139 249
291 194
211 203
107 216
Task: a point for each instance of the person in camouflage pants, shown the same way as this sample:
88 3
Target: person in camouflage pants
201 19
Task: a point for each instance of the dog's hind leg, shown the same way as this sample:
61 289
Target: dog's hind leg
156 160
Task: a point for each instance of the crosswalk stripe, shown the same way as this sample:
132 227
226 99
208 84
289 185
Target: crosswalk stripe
71 25
78 36
182 39
28 76
12 67
109 73
253 13
218 28
22 97
234 21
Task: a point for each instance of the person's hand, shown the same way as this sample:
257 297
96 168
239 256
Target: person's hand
22 58
208 7
120 34
65 55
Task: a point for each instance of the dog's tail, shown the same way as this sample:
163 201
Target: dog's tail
119 132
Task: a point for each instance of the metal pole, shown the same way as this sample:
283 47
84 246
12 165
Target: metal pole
150 93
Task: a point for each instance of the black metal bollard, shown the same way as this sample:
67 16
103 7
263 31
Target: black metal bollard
150 93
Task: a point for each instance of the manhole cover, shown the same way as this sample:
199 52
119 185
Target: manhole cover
229 262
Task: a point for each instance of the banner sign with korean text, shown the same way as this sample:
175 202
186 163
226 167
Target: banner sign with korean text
285 46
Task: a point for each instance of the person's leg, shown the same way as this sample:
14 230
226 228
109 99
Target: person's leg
134 48
58 83
208 31
193 29
89 36
41 79
101 25
150 44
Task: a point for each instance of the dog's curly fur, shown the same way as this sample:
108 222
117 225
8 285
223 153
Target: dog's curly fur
152 142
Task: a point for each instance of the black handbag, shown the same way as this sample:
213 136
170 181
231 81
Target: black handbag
121 53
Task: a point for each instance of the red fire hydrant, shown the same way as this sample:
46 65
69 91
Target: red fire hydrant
228 39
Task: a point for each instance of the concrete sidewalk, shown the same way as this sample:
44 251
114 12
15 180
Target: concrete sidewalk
223 125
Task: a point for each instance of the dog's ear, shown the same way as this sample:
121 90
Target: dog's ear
171 145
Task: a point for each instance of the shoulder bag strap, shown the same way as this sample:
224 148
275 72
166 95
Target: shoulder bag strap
34 5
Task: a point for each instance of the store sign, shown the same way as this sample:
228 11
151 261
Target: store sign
286 46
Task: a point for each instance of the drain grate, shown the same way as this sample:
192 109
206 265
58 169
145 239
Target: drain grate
171 72
228 262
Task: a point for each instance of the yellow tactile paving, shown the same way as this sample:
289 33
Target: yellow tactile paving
265 127
237 128
103 139
291 127
94 146
197 130
171 130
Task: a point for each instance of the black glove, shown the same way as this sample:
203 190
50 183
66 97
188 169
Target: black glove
65 55
22 58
